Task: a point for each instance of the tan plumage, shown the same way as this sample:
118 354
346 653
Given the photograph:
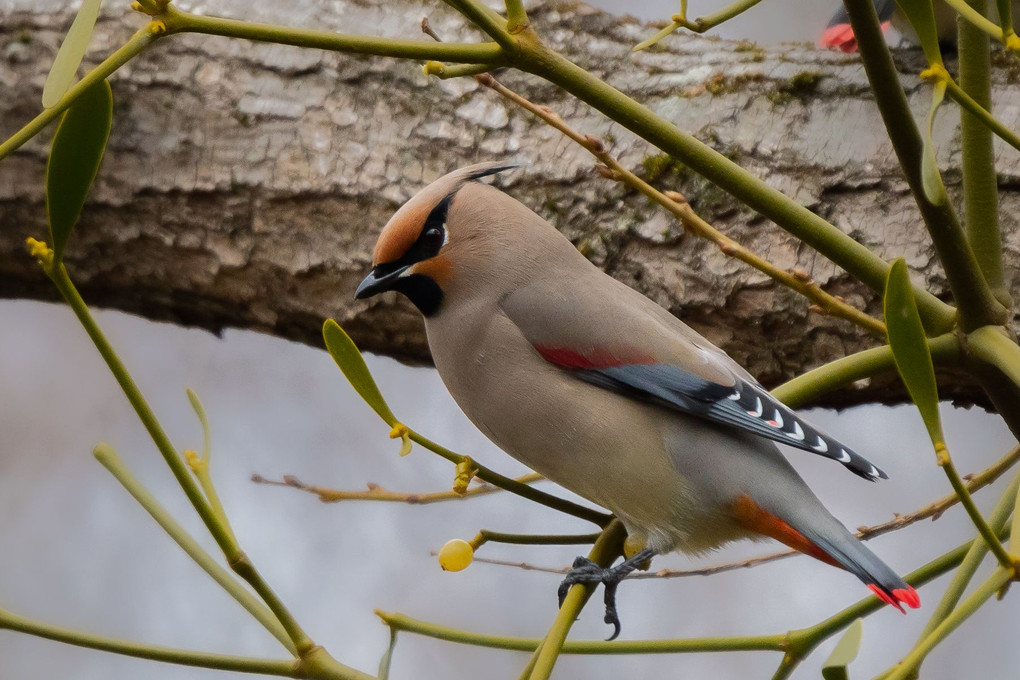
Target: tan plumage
600 389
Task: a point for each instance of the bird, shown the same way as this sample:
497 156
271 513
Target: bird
600 389
840 34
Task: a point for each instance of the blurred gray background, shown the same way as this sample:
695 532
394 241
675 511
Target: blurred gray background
75 550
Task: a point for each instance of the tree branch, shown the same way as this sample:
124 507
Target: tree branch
185 187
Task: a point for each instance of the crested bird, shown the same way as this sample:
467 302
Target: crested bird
603 391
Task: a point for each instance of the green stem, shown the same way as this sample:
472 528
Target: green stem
987 533
604 552
516 487
787 665
668 30
1005 16
980 116
202 474
803 641
440 70
138 42
485 536
796 219
968 14
977 305
907 668
709 21
200 465
723 644
489 21
183 22
106 455
235 556
980 184
1014 531
516 16
976 554
286 668
699 25
991 346
802 390
180 470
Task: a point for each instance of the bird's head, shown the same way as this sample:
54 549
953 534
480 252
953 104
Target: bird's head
426 240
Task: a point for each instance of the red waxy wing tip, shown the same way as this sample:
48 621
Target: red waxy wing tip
906 595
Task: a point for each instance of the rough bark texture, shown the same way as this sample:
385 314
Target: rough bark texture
244 184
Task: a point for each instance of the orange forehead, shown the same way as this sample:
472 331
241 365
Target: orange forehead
400 233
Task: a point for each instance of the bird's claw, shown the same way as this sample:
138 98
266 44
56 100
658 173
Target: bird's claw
582 571
611 617
587 572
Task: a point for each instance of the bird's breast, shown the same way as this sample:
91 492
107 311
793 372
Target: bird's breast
599 444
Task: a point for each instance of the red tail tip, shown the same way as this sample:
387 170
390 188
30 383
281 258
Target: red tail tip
906 595
840 36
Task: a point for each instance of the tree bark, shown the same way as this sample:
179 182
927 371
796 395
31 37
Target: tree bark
245 184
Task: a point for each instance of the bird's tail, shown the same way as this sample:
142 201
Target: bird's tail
840 35
813 531
843 549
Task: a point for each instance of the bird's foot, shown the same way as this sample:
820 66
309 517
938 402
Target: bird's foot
584 571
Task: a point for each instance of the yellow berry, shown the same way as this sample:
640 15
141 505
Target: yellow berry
456 555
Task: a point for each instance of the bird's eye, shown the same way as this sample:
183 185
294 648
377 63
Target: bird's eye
432 239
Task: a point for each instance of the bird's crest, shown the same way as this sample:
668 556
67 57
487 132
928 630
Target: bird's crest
406 225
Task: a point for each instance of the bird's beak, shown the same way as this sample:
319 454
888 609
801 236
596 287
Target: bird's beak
380 279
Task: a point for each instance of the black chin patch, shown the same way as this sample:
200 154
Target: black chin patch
422 291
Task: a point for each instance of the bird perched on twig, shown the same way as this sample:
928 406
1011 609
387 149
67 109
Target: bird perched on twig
601 390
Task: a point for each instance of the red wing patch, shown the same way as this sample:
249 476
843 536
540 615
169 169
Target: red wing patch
593 359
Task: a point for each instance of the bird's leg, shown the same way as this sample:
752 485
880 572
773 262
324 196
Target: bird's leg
586 571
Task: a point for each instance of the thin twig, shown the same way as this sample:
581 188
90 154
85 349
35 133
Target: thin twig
378 493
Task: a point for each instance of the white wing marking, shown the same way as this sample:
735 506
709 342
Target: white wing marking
757 408
797 433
